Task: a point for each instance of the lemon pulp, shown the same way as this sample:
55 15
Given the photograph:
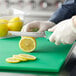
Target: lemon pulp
27 44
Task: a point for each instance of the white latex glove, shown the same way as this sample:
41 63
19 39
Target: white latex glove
53 28
64 32
41 25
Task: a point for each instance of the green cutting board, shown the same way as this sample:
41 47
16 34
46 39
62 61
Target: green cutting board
50 57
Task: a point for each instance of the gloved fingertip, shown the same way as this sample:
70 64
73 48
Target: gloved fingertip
68 42
50 30
51 39
40 30
57 43
64 43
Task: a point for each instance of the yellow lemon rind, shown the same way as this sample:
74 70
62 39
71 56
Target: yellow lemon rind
19 58
29 57
12 60
15 24
33 39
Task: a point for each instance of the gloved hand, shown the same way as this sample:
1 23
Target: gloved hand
41 25
64 32
53 28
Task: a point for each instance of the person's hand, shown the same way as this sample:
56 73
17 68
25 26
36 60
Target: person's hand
40 25
64 32
53 28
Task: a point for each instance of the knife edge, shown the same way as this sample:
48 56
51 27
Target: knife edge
30 34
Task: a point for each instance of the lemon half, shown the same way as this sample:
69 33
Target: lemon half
27 44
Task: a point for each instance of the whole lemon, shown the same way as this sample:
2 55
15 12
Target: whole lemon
3 21
15 24
3 27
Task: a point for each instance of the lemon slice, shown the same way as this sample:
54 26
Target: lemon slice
29 57
19 58
27 44
12 60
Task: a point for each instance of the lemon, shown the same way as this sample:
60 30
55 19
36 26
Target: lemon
27 44
29 57
12 60
3 27
3 21
19 58
15 24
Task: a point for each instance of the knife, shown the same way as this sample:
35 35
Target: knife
30 34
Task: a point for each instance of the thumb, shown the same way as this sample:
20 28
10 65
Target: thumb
40 30
24 28
52 29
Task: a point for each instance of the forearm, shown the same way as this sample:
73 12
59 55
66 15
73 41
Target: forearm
64 12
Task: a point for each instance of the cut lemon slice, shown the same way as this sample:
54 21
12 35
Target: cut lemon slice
29 57
27 44
19 58
12 60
